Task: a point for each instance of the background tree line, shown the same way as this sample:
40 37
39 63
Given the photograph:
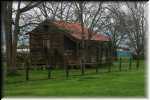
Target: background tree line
118 20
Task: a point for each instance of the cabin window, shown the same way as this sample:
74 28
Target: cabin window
46 43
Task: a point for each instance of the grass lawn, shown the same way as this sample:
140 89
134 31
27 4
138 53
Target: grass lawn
127 83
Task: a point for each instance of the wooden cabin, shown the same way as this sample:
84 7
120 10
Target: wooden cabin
59 43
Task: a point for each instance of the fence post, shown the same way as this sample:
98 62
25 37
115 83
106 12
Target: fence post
67 71
49 71
82 67
97 67
97 59
137 64
130 63
109 66
120 62
27 71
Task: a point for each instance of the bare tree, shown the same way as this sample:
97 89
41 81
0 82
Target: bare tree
136 26
79 7
16 30
57 10
113 25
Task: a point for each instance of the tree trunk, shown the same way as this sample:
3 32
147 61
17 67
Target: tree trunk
83 41
15 39
115 53
138 59
7 7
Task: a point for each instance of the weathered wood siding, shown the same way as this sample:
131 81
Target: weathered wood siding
37 50
63 49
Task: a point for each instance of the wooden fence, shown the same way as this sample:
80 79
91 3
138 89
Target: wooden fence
128 63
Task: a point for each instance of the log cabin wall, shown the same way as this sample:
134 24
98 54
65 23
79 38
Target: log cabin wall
98 52
55 49
95 52
71 51
36 49
63 49
91 53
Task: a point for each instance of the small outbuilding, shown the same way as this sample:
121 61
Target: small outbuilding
59 43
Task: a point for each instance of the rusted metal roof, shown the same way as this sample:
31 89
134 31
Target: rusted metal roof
76 31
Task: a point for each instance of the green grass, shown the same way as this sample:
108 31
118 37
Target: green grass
127 83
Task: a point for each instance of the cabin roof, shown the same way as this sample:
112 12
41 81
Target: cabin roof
76 31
